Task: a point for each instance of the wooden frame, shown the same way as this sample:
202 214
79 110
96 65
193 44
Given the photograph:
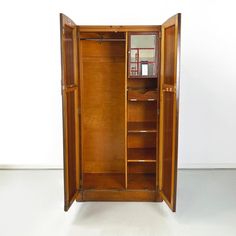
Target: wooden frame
117 28
142 143
67 24
126 108
173 89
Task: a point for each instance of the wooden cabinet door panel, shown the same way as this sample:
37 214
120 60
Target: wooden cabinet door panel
70 107
169 98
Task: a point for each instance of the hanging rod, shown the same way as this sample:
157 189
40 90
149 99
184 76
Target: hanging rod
103 39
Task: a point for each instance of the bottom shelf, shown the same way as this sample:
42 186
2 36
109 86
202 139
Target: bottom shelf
120 195
142 181
111 181
103 181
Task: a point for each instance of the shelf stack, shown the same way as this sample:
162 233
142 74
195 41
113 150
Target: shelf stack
142 132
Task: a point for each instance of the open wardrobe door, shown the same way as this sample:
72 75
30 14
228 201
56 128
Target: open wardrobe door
169 99
70 108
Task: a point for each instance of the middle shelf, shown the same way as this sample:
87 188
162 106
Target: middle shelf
141 155
142 127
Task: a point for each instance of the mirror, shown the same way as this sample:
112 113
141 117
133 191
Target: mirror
143 55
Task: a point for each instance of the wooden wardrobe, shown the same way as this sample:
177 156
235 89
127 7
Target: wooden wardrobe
120 111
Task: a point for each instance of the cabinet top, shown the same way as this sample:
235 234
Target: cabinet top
118 28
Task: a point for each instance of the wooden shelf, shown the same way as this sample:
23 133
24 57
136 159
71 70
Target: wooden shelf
141 155
142 95
141 77
142 181
104 39
142 127
101 181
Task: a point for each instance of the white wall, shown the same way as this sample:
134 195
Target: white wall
30 100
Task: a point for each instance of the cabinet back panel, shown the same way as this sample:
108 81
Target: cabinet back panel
103 106
137 168
104 35
142 140
142 83
142 111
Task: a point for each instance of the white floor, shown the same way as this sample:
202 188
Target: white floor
31 204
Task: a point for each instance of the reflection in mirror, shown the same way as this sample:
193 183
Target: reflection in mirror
143 55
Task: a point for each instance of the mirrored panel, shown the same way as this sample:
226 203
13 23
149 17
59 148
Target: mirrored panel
143 55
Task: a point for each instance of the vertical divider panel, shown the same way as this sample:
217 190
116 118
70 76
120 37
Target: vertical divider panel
76 101
126 108
80 62
158 108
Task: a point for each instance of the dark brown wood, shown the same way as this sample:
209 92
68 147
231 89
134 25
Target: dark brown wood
115 147
142 83
142 181
126 108
103 181
141 155
142 95
70 93
127 195
79 196
141 140
117 28
142 127
169 87
101 35
103 108
142 111
141 167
